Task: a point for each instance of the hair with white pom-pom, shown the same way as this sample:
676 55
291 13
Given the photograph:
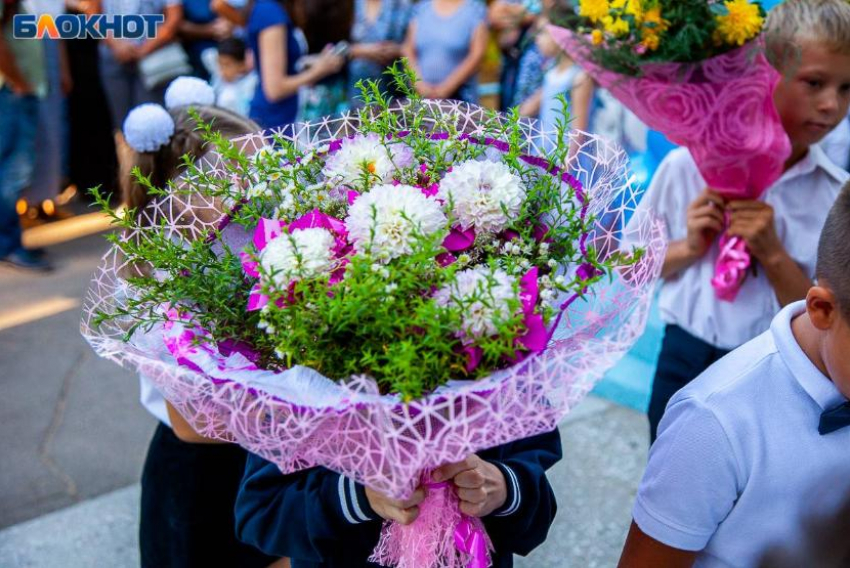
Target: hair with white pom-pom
164 161
188 91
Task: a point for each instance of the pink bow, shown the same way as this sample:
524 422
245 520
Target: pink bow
470 539
731 267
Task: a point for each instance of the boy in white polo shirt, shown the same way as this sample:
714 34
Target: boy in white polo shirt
744 449
811 39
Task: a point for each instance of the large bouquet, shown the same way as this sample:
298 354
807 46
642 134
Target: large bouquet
383 293
695 70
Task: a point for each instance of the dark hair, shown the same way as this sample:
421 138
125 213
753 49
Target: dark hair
167 162
232 47
323 21
833 265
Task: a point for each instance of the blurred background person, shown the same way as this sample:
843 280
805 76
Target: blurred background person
377 38
327 25
445 44
120 58
201 29
563 77
273 39
23 81
515 24
233 79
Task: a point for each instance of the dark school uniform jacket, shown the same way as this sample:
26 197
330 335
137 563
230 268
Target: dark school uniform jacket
321 519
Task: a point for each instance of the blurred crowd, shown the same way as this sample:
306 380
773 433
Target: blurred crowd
62 102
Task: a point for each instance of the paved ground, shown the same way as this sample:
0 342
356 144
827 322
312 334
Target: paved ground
72 425
74 439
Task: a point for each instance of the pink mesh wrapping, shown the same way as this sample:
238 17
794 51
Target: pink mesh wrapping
298 419
722 110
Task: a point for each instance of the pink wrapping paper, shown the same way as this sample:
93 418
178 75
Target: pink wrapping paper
299 419
722 110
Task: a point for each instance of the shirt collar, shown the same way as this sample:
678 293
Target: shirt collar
815 158
817 385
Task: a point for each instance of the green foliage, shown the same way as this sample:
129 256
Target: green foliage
382 318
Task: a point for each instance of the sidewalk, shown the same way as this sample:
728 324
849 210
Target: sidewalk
604 453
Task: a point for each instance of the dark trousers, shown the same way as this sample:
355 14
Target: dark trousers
683 358
188 495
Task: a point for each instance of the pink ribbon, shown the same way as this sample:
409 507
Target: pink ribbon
731 267
470 539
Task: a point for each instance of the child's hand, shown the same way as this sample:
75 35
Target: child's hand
480 485
753 221
705 221
404 512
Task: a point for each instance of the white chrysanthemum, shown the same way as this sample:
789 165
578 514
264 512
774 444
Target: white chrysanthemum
386 219
346 165
302 254
484 195
148 127
483 295
188 91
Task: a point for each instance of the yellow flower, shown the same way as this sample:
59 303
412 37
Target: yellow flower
615 26
742 22
618 4
594 10
653 23
596 37
635 8
651 42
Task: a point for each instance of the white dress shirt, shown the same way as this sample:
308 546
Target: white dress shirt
801 199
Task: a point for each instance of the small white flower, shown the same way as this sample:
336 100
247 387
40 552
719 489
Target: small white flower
483 296
547 294
390 288
560 280
463 259
386 219
484 195
270 329
516 249
544 248
552 263
302 254
279 354
366 152
524 263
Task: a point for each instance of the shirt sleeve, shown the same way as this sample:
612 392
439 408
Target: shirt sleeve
267 15
303 514
523 522
692 479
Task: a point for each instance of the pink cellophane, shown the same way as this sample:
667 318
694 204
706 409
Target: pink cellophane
721 109
300 419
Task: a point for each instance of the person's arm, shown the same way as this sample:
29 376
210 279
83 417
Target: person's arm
184 431
643 551
277 84
704 222
217 30
166 33
753 221
530 107
468 67
580 99
522 522
303 515
11 72
236 16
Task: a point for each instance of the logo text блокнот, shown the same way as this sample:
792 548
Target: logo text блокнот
80 26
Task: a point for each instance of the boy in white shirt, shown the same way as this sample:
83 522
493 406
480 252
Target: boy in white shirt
811 41
758 444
